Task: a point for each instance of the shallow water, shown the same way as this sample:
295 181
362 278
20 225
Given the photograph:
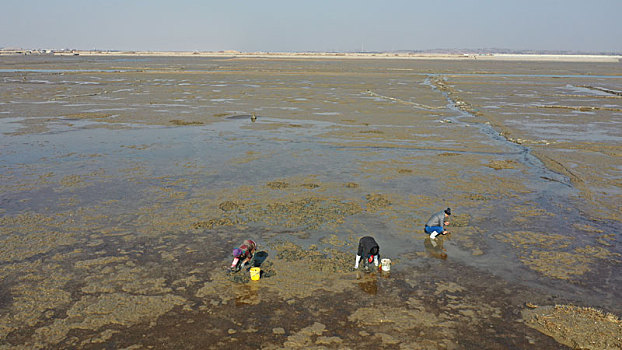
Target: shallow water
133 192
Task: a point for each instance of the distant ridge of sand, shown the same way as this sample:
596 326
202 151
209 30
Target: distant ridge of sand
336 55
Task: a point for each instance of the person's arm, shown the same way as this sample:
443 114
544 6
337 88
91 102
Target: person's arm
445 223
234 263
246 258
359 253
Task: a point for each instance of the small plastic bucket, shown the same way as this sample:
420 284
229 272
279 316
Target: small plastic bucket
386 264
255 273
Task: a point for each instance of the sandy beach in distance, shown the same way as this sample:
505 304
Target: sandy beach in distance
353 55
127 178
491 57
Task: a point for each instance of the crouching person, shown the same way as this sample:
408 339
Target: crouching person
369 251
437 222
242 255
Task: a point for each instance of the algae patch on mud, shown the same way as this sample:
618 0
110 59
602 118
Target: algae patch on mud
376 202
423 323
30 234
306 213
577 327
329 260
302 272
502 164
179 122
552 256
92 313
291 271
277 185
309 337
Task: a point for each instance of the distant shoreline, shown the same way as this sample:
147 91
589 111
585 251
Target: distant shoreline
330 55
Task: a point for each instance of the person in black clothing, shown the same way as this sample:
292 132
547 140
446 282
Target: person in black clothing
368 250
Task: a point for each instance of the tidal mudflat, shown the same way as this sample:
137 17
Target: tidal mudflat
126 182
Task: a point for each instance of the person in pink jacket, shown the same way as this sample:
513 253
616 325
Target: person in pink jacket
243 255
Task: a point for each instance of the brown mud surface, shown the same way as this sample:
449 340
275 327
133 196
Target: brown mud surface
126 182
577 327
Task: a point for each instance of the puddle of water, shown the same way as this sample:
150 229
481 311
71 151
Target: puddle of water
584 90
560 132
327 113
504 75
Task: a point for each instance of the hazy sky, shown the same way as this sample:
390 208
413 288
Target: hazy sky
318 25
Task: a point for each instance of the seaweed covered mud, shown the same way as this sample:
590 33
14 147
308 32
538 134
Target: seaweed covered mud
125 184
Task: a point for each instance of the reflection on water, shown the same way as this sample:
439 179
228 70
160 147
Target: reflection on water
434 247
246 293
367 282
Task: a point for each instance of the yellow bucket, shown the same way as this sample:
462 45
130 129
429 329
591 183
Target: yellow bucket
255 273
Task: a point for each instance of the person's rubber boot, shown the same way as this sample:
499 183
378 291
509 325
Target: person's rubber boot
433 235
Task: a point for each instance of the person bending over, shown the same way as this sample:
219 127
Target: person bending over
243 255
368 250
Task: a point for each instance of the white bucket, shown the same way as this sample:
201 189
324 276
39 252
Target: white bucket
386 264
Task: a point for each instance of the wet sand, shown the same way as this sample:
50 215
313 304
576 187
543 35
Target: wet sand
126 182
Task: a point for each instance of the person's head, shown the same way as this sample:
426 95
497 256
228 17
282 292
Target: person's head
373 251
447 212
237 252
